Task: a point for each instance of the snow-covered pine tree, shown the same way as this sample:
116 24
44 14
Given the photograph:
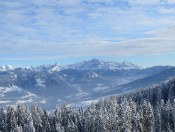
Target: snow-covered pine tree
11 119
28 123
46 121
90 118
3 127
36 116
133 109
157 119
20 112
148 117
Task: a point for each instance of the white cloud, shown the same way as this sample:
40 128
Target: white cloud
164 10
171 1
69 2
168 33
161 42
144 2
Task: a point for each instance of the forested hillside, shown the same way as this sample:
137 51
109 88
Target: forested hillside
150 110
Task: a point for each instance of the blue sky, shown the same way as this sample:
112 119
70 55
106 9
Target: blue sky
34 32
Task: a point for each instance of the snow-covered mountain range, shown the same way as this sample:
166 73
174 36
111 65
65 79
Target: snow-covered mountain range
49 85
93 64
96 64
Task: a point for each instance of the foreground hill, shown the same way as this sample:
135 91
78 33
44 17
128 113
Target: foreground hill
142 83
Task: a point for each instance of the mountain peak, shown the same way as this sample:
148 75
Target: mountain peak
95 60
96 64
7 68
129 65
48 68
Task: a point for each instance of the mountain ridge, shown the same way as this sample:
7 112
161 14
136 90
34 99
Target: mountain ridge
87 80
94 64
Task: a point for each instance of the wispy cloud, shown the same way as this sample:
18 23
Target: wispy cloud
76 28
145 2
171 1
